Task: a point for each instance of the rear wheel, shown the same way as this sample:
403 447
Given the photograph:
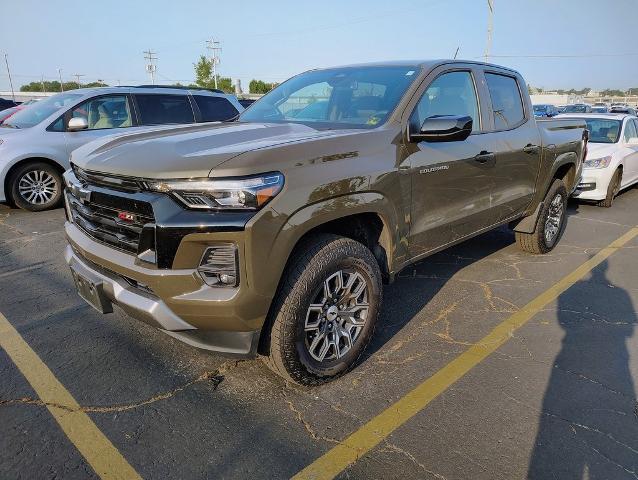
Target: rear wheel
36 186
326 310
550 224
612 189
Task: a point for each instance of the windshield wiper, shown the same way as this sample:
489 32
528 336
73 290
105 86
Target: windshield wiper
9 125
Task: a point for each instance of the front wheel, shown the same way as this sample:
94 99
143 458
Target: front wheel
612 189
36 186
550 224
325 311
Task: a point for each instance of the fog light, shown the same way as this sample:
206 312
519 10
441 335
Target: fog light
219 266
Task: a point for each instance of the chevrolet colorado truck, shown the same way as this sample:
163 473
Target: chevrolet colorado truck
274 233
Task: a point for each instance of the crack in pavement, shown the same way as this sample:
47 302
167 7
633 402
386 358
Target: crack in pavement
214 376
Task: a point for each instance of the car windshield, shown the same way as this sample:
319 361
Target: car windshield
540 108
351 97
602 130
599 109
575 109
34 114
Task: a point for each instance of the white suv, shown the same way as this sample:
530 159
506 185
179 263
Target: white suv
612 156
35 143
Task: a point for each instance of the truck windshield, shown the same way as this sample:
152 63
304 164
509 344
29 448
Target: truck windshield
351 97
35 113
602 130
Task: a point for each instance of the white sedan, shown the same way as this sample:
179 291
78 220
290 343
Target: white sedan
612 156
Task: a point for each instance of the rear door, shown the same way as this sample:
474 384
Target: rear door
630 172
515 140
163 109
105 115
452 182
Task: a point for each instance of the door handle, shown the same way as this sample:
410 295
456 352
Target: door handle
531 149
484 157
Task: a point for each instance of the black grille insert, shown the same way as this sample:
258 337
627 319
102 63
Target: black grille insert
117 227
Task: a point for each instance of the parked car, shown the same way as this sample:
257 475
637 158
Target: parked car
612 157
7 112
577 108
561 108
4 104
619 109
599 109
545 110
274 233
35 143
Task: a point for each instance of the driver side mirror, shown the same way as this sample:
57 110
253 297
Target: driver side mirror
444 128
77 123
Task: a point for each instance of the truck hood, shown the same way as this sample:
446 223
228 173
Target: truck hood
184 151
598 150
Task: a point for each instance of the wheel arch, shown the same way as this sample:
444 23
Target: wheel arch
24 161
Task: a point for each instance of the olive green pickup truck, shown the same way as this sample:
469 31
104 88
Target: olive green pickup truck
274 233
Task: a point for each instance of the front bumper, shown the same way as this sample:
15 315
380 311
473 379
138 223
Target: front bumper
176 301
594 183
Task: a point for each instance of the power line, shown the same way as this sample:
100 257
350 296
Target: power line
77 78
151 68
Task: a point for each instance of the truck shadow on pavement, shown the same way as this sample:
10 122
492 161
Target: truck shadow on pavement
588 426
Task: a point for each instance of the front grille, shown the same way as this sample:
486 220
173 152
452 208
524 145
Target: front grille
116 182
101 220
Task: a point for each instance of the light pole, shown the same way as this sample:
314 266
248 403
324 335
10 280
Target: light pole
6 61
490 27
60 75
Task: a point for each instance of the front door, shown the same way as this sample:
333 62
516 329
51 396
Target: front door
104 114
451 182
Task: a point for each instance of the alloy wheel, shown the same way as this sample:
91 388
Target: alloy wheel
38 187
337 315
554 219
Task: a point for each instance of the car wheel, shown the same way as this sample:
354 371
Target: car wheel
325 311
612 189
551 222
36 186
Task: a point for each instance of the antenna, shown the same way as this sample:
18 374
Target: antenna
457 52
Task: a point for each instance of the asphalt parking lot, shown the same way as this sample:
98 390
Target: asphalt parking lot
514 366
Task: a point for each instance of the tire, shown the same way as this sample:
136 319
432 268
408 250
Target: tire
36 186
612 189
302 302
548 230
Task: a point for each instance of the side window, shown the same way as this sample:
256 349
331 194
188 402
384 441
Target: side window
630 130
450 94
110 111
215 109
507 103
159 109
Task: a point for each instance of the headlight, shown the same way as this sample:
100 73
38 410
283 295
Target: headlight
249 193
597 162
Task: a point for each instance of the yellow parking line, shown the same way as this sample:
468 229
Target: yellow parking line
372 433
98 451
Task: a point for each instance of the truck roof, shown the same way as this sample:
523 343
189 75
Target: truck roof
429 64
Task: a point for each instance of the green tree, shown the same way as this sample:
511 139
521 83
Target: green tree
259 86
54 86
204 76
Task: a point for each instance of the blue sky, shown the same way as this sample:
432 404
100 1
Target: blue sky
276 39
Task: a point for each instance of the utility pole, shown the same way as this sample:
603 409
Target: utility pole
77 78
490 27
60 76
151 68
42 83
6 61
215 49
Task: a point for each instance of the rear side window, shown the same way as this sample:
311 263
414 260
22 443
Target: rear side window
215 109
164 109
630 131
507 103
